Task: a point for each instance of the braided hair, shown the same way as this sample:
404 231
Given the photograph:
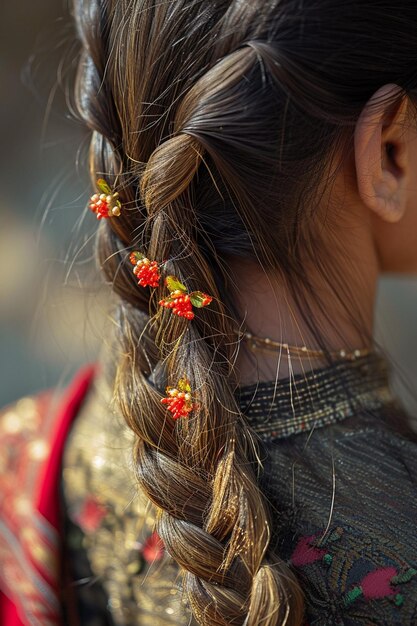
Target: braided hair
215 120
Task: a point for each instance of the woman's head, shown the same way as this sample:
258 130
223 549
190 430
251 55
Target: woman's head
224 126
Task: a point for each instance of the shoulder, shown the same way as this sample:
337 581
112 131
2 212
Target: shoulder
31 426
111 523
352 572
32 432
25 433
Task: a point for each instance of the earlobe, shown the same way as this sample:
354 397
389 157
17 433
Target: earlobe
381 173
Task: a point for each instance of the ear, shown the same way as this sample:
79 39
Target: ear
381 154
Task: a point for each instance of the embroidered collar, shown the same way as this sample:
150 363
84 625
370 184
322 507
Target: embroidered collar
317 398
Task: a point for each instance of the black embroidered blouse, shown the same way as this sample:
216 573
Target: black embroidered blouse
341 480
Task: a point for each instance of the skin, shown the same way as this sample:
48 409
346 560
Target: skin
368 226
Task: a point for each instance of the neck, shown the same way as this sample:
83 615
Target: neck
335 312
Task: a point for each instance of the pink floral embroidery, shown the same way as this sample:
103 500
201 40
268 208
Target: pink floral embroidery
380 583
304 553
153 548
90 515
377 584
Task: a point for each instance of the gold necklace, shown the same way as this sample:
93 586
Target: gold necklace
302 352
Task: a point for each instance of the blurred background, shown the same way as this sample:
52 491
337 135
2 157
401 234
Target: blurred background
52 300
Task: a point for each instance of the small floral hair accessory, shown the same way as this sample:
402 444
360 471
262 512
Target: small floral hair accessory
146 271
106 204
180 301
179 400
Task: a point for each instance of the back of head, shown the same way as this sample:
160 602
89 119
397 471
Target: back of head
216 120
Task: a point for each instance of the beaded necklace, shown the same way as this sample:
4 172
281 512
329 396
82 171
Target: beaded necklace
266 344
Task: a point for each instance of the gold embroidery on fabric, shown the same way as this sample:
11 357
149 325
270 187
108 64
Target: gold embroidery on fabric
103 500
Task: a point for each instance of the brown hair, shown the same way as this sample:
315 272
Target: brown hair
215 120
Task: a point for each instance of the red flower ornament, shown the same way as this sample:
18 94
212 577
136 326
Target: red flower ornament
146 271
180 301
106 204
179 400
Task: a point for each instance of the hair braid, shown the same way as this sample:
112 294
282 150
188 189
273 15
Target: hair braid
214 125
201 474
217 441
215 120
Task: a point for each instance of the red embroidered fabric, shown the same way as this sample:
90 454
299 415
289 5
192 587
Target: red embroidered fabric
32 435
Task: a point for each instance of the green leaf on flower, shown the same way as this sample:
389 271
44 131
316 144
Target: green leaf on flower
104 187
138 256
174 284
184 385
197 298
